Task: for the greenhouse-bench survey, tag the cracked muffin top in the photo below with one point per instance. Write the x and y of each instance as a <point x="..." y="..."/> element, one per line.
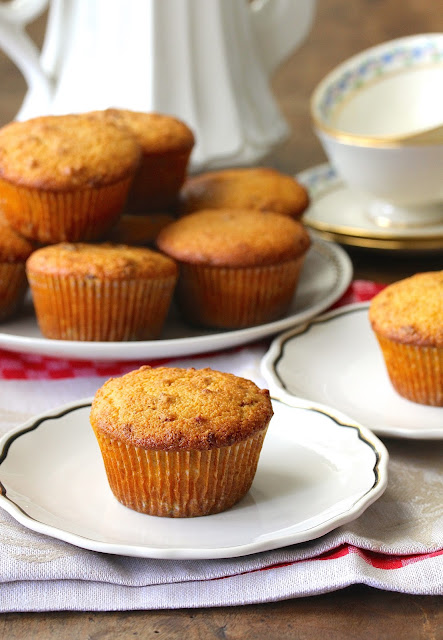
<point x="107" y="260"/>
<point x="155" y="132"/>
<point x="234" y="238"/>
<point x="410" y="311"/>
<point x="180" y="409"/>
<point x="260" y="188"/>
<point x="69" y="152"/>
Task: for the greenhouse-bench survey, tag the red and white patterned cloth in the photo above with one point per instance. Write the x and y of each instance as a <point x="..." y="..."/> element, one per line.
<point x="22" y="366"/>
<point x="396" y="544"/>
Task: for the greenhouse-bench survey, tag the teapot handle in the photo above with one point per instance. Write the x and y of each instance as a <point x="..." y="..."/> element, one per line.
<point x="280" y="27"/>
<point x="15" y="42"/>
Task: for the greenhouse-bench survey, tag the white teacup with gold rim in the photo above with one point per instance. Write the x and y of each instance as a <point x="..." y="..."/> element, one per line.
<point x="363" y="110"/>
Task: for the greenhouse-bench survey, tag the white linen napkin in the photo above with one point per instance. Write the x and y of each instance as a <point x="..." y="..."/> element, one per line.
<point x="397" y="544"/>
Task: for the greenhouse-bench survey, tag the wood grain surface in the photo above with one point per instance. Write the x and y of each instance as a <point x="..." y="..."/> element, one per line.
<point x="341" y="28"/>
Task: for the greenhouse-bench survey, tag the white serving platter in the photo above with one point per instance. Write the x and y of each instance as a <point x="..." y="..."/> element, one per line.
<point x="326" y="274"/>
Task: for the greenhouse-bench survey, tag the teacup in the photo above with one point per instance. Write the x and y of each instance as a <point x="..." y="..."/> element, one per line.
<point x="362" y="111"/>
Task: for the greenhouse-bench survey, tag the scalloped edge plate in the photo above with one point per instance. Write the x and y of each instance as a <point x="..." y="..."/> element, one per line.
<point x="335" y="360"/>
<point x="317" y="471"/>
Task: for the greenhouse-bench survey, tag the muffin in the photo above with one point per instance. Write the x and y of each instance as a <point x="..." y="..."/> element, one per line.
<point x="238" y="268"/>
<point x="14" y="251"/>
<point x="180" y="442"/>
<point x="138" y="230"/>
<point x="407" y="319"/>
<point x="100" y="291"/>
<point x="65" y="178"/>
<point x="250" y="188"/>
<point x="166" y="144"/>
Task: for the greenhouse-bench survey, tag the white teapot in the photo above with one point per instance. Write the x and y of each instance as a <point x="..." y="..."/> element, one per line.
<point x="208" y="62"/>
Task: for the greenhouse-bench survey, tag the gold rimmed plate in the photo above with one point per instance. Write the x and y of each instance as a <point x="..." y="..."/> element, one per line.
<point x="337" y="213"/>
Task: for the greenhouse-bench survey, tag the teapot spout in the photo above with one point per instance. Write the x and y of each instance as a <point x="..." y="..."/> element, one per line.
<point x="280" y="27"/>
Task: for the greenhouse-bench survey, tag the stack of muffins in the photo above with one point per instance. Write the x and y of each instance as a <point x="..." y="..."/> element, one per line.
<point x="64" y="182"/>
<point x="100" y="209"/>
<point x="86" y="197"/>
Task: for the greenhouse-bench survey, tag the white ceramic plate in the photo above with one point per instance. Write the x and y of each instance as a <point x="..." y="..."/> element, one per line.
<point x="335" y="360"/>
<point x="316" y="472"/>
<point x="338" y="213"/>
<point x="326" y="275"/>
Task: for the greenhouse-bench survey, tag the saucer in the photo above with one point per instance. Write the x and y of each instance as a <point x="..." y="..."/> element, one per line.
<point x="340" y="214"/>
<point x="335" y="361"/>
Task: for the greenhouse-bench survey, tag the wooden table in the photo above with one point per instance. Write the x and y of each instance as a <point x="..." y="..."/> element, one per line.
<point x="342" y="28"/>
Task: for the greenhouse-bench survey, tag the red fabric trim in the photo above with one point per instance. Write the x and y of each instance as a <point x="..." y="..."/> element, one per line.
<point x="373" y="558"/>
<point x="378" y="560"/>
<point x="22" y="366"/>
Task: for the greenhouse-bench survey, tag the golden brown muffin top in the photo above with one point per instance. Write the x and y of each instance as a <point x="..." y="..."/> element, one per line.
<point x="234" y="238"/>
<point x="410" y="311"/>
<point x="13" y="247"/>
<point x="172" y="409"/>
<point x="68" y="152"/>
<point x="155" y="132"/>
<point x="119" y="262"/>
<point x="250" y="188"/>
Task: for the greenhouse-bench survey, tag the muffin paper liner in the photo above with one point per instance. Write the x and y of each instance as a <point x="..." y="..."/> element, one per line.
<point x="232" y="298"/>
<point x="72" y="308"/>
<point x="416" y="372"/>
<point x="13" y="286"/>
<point x="157" y="183"/>
<point x="57" y="216"/>
<point x="180" y="484"/>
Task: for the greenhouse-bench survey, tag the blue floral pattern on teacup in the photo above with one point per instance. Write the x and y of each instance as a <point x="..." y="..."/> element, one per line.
<point x="377" y="65"/>
<point x="318" y="179"/>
